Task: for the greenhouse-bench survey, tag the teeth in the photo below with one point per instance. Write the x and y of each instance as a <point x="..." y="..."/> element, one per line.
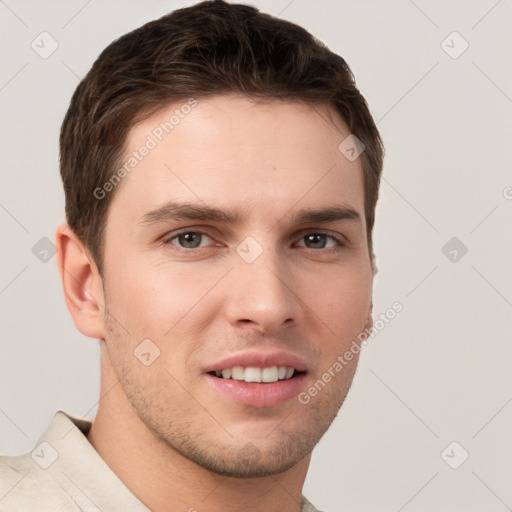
<point x="270" y="374"/>
<point x="252" y="374"/>
<point x="255" y="374"/>
<point x="237" y="373"/>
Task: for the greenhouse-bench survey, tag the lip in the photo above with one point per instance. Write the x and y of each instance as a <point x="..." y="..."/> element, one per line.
<point x="258" y="395"/>
<point x="259" y="359"/>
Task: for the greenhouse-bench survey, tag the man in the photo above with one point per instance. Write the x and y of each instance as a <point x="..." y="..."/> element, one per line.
<point x="221" y="172"/>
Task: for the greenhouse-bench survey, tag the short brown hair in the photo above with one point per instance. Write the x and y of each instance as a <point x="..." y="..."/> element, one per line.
<point x="210" y="48"/>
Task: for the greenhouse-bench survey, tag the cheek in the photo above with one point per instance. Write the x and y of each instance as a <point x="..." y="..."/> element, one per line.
<point x="136" y="297"/>
<point x="343" y="304"/>
<point x="342" y="296"/>
<point x="160" y="301"/>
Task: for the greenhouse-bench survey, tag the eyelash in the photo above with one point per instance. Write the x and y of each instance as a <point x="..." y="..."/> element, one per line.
<point x="167" y="241"/>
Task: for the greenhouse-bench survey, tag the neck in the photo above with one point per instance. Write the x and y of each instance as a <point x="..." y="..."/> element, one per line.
<point x="162" y="479"/>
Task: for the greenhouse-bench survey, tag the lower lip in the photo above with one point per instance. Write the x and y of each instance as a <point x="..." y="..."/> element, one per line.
<point x="259" y="395"/>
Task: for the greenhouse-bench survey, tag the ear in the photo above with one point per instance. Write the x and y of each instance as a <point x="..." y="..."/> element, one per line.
<point x="81" y="283"/>
<point x="368" y="325"/>
<point x="373" y="263"/>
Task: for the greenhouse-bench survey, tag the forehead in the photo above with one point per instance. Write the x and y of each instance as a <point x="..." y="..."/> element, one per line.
<point x="229" y="150"/>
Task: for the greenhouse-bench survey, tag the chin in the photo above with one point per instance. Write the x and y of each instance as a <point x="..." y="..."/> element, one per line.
<point x="249" y="461"/>
<point x="246" y="457"/>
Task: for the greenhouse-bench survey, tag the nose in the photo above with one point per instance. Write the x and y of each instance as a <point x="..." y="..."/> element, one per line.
<point x="263" y="293"/>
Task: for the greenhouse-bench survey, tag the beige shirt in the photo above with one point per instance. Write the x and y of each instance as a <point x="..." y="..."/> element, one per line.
<point x="65" y="473"/>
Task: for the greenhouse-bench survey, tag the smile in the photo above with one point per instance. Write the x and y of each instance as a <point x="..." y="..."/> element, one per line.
<point x="258" y="378"/>
<point x="255" y="374"/>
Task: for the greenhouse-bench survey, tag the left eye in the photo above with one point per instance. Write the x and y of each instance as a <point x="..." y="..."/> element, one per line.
<point x="319" y="240"/>
<point x="188" y="239"/>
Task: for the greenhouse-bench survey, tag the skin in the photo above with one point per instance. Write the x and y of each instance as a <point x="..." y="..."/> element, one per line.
<point x="175" y="441"/>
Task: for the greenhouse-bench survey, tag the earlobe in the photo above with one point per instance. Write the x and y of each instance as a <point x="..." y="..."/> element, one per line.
<point x="81" y="283"/>
<point x="368" y="325"/>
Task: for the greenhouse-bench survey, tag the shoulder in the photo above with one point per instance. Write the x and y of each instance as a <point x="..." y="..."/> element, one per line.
<point x="25" y="486"/>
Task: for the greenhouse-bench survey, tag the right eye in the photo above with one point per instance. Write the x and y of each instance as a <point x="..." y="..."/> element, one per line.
<point x="187" y="239"/>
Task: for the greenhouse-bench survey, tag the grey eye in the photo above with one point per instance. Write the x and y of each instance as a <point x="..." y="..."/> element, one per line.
<point x="188" y="239"/>
<point x="316" y="240"/>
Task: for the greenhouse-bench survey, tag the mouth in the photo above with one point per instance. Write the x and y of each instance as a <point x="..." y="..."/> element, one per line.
<point x="258" y="379"/>
<point x="259" y="375"/>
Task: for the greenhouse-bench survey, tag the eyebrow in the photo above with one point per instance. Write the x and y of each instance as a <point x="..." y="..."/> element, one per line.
<point x="173" y="210"/>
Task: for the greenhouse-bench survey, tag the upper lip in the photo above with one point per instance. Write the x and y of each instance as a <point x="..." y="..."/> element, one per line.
<point x="258" y="359"/>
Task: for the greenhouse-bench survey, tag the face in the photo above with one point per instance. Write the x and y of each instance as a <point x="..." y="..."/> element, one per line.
<point x="236" y="252"/>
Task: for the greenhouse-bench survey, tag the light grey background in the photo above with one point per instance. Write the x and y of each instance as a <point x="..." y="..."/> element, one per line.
<point x="440" y="371"/>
